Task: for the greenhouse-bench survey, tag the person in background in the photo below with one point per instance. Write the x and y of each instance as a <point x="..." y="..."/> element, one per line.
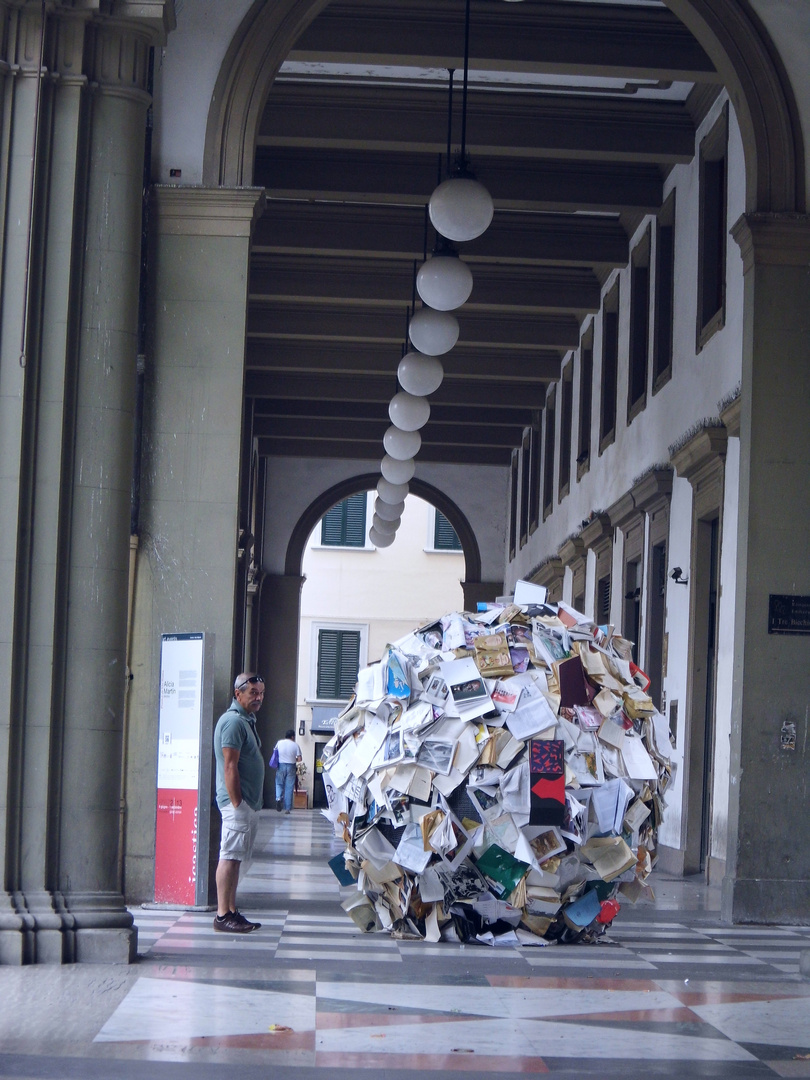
<point x="289" y="753"/>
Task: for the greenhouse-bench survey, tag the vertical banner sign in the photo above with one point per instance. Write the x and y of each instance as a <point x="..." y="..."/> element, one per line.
<point x="184" y="771"/>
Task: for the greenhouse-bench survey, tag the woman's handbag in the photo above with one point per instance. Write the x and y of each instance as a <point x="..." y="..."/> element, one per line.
<point x="273" y="762"/>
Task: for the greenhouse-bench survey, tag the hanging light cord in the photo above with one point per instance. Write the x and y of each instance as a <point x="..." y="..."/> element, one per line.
<point x="464" y="88"/>
<point x="451" y="72"/>
<point x="31" y="197"/>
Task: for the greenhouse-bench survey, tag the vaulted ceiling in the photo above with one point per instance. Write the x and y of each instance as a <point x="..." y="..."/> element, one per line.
<point x="576" y="113"/>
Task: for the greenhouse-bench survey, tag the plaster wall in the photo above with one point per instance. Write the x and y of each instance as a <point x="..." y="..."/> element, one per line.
<point x="294" y="483"/>
<point x="186" y="71"/>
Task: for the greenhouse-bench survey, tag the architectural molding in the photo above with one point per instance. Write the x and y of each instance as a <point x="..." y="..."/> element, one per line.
<point x="731" y="417"/>
<point x="702" y="451"/>
<point x="652" y="489"/>
<point x="572" y="550"/>
<point x="597" y="532"/>
<point x="624" y="513"/>
<point x="548" y="573"/>
<point x="203" y="211"/>
<point x="773" y="239"/>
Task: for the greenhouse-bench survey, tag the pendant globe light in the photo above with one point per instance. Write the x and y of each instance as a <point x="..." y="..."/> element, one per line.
<point x="391" y="493"/>
<point x="461" y="208"/>
<point x="388" y="511"/>
<point x="444" y="282"/>
<point x="433" y="332"/>
<point x="398" y="472"/>
<point x="408" y="412"/>
<point x="420" y="375"/>
<point x="380" y="540"/>
<point x="402" y="445"/>
<point x="383" y="526"/>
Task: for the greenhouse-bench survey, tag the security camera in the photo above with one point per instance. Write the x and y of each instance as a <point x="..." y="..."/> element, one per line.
<point x="677" y="576"/>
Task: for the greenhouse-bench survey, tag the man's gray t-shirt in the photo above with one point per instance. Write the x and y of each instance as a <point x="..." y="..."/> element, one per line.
<point x="237" y="729"/>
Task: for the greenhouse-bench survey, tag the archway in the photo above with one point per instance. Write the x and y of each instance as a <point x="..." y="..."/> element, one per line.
<point x="774" y="191"/>
<point x="729" y="31"/>
<point x="279" y="598"/>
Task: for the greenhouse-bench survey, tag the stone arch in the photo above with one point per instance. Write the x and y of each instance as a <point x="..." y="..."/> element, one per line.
<point x="728" y="30"/>
<point x="368" y="482"/>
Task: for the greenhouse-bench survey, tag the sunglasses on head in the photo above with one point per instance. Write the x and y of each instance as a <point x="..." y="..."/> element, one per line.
<point x="252" y="681"/>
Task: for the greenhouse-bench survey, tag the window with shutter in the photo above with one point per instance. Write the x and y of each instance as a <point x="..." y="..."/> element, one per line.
<point x="338" y="663"/>
<point x="445" y="537"/>
<point x="345" y="524"/>
<point x="603" y="601"/>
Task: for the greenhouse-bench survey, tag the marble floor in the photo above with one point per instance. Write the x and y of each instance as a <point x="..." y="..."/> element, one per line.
<point x="672" y="991"/>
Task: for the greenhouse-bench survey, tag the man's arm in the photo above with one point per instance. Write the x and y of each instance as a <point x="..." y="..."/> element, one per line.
<point x="230" y="756"/>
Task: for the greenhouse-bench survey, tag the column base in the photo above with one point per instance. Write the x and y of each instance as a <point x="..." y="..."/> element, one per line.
<point x="766" y="901"/>
<point x="85" y="928"/>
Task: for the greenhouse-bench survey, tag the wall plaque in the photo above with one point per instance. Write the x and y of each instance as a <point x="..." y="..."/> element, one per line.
<point x="788" y="614"/>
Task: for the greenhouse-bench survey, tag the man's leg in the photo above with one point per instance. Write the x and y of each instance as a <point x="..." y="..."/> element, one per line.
<point x="289" y="785"/>
<point x="227" y="879"/>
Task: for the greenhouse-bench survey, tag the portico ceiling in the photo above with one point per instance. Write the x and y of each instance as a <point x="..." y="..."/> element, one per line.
<point x="576" y="113"/>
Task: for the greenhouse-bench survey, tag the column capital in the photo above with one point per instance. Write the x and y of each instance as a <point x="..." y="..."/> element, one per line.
<point x="156" y="17"/>
<point x="207" y="211"/>
<point x="768" y="239"/>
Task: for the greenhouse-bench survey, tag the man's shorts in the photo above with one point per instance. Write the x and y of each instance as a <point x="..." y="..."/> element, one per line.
<point x="239" y="825"/>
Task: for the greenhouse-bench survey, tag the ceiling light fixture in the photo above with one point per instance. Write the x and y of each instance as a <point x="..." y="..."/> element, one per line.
<point x="408" y="412"/>
<point x="391" y="493"/>
<point x="420" y="375"/>
<point x="433" y="332"/>
<point x="444" y="282"/>
<point x="379" y="539"/>
<point x="461" y="207"/>
<point x="397" y="471"/>
<point x="401" y="445"/>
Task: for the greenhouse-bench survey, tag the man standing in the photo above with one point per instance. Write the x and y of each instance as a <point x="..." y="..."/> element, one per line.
<point x="240" y="780"/>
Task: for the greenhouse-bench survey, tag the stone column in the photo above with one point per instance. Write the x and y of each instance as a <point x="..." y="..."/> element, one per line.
<point x="279" y="619"/>
<point x="768" y="870"/>
<point x="20" y="36"/>
<point x="190" y="483"/>
<point x="95" y="630"/>
<point x="70" y="263"/>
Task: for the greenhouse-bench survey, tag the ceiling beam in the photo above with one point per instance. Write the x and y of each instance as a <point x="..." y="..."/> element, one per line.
<point x="523" y="239"/>
<point x="358" y="430"/>
<point x="589" y="39"/>
<point x="363" y="359"/>
<point x="454" y="455"/>
<point x="351" y="388"/>
<point x="268" y="408"/>
<point x="480" y="329"/>
<point x="356" y="176"/>
<point x="516" y="125"/>
<point x="318" y="279"/>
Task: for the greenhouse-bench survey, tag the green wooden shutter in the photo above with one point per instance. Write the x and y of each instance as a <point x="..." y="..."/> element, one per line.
<point x="345" y="524"/>
<point x="338" y="663"/>
<point x="445" y="537"/>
